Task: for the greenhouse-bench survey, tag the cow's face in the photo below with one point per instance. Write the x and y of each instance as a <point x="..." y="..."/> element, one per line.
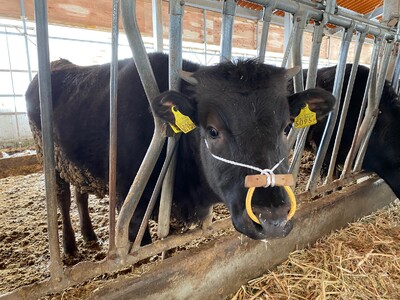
<point x="242" y="111"/>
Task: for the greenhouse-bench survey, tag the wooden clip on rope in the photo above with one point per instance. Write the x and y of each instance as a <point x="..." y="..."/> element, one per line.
<point x="253" y="181"/>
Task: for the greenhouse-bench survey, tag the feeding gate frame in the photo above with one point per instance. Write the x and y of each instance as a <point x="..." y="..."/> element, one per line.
<point x="121" y="253"/>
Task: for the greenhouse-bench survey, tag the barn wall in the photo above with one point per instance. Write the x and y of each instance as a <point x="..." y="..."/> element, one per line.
<point x="97" y="15"/>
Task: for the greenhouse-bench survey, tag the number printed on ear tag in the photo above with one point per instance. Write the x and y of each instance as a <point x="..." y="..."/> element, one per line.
<point x="182" y="122"/>
<point x="305" y="118"/>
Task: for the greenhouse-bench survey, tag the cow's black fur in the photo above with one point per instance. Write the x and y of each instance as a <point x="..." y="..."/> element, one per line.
<point x="240" y="108"/>
<point x="383" y="152"/>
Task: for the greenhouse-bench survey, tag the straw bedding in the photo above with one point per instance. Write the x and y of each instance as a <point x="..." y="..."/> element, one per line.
<point x="361" y="261"/>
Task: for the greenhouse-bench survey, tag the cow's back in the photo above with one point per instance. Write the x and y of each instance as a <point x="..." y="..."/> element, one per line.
<point x="81" y="120"/>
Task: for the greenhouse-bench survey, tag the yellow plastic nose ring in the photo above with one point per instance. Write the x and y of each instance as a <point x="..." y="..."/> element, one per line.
<point x="249" y="198"/>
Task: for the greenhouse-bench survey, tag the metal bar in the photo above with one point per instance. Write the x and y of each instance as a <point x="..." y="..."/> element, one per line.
<point x="288" y="39"/>
<point x="391" y="10"/>
<point x="358" y="136"/>
<point x="300" y="20"/>
<point x="345" y="107"/>
<point x="331" y="121"/>
<point x="375" y="13"/>
<point x="375" y="104"/>
<point x="112" y="179"/>
<point x="267" y="16"/>
<point x="291" y="6"/>
<point x="205" y="35"/>
<point x="12" y="113"/>
<point x="228" y="16"/>
<point x="12" y="85"/>
<point x="153" y="199"/>
<point x="215" y="6"/>
<point x="28" y="59"/>
<point x="295" y="46"/>
<point x="128" y="9"/>
<point x="311" y="81"/>
<point x="11" y="95"/>
<point x="396" y="72"/>
<point x="46" y="108"/>
<point x="156" y="6"/>
<point x="175" y="64"/>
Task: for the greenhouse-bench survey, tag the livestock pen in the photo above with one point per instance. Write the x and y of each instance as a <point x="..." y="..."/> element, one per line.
<point x="219" y="267"/>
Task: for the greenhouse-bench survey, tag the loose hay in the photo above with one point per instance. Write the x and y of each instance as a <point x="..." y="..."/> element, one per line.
<point x="361" y="261"/>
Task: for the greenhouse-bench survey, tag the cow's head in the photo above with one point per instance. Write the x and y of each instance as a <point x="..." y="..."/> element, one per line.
<point x="241" y="110"/>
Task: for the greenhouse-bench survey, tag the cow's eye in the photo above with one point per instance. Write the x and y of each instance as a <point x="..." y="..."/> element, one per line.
<point x="287" y="129"/>
<point x="212" y="132"/>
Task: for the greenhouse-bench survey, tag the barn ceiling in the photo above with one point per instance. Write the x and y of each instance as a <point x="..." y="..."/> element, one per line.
<point x="365" y="7"/>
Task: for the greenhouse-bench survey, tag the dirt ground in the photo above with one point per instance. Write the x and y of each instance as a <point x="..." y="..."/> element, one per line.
<point x="23" y="231"/>
<point x="24" y="254"/>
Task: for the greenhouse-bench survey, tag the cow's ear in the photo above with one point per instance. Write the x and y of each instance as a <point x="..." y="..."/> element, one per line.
<point x="163" y="104"/>
<point x="319" y="101"/>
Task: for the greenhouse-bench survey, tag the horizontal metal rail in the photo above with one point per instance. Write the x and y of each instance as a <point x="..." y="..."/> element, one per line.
<point x="316" y="14"/>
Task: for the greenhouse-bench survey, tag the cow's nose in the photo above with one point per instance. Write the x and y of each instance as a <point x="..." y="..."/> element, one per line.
<point x="276" y="227"/>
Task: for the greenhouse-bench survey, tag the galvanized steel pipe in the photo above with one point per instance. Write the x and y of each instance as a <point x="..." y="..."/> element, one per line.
<point x="112" y="174"/>
<point x="359" y="133"/>
<point x="330" y="124"/>
<point x="267" y="16"/>
<point x="128" y="8"/>
<point x="345" y="107"/>
<point x="175" y="65"/>
<point x="46" y="109"/>
<point x="228" y="16"/>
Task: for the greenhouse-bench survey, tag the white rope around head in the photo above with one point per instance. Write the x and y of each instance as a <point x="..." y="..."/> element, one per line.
<point x="268" y="172"/>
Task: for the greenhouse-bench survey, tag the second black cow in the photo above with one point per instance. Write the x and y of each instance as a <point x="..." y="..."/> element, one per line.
<point x="383" y="152"/>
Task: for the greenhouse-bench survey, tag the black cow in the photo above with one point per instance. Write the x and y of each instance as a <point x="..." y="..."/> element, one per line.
<point x="240" y="108"/>
<point x="383" y="152"/>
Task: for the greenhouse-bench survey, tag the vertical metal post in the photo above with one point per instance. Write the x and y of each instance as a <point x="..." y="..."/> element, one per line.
<point x="359" y="133"/>
<point x="12" y="85"/>
<point x="330" y="124"/>
<point x="396" y="72"/>
<point x="175" y="64"/>
<point x="373" y="109"/>
<point x="300" y="20"/>
<point x="311" y="81"/>
<point x="156" y="6"/>
<point x="128" y="10"/>
<point x="345" y="107"/>
<point x="205" y="35"/>
<point x="28" y="59"/>
<point x="46" y="108"/>
<point x="112" y="179"/>
<point x="267" y="16"/>
<point x="228" y="11"/>
<point x="391" y="11"/>
<point x="289" y="34"/>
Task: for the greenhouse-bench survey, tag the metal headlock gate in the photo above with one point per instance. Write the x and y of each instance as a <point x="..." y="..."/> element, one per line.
<point x="121" y="253"/>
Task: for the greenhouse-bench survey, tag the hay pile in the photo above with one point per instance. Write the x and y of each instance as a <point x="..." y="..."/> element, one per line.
<point x="361" y="261"/>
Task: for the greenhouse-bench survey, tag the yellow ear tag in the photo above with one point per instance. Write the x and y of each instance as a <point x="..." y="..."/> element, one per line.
<point x="182" y="122"/>
<point x="305" y="118"/>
